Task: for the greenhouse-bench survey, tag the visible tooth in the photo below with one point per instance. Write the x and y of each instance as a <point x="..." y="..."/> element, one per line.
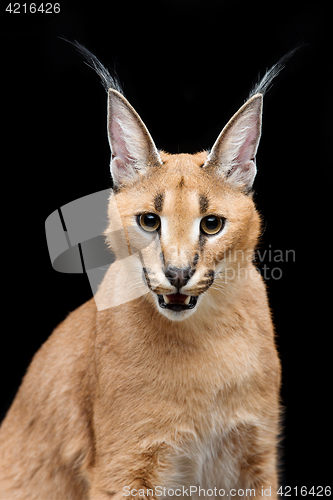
<point x="166" y="300"/>
<point x="187" y="300"/>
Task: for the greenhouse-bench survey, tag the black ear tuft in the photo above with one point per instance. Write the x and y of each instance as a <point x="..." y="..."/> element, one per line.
<point x="265" y="83"/>
<point x="110" y="79"/>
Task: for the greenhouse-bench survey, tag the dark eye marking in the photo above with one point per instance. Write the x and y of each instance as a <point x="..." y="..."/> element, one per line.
<point x="146" y="276"/>
<point x="158" y="202"/>
<point x="202" y="241"/>
<point x="182" y="183"/>
<point x="196" y="258"/>
<point x="203" y="203"/>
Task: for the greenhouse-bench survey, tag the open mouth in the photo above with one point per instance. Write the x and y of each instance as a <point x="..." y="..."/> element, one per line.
<point x="177" y="302"/>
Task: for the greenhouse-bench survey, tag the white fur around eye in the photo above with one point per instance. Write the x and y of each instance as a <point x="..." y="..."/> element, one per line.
<point x="164" y="227"/>
<point x="195" y="230"/>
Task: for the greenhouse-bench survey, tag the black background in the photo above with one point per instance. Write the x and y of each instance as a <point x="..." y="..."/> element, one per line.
<point x="186" y="67"/>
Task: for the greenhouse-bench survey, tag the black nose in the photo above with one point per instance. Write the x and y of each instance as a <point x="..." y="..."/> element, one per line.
<point x="178" y="277"/>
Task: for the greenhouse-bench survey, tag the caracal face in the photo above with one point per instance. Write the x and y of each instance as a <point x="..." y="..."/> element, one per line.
<point x="192" y="229"/>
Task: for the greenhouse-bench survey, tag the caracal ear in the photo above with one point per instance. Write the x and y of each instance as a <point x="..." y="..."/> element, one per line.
<point x="234" y="151"/>
<point x="132" y="148"/>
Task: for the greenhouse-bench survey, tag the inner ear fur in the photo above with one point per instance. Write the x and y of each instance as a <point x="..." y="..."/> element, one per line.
<point x="234" y="151"/>
<point x="132" y="148"/>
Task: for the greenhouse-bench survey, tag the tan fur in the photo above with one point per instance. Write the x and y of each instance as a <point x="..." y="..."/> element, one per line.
<point x="128" y="397"/>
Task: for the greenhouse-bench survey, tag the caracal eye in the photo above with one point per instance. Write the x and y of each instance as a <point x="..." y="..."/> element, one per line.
<point x="211" y="224"/>
<point x="149" y="222"/>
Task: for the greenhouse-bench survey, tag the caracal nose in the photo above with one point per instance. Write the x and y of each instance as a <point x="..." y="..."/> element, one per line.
<point x="178" y="277"/>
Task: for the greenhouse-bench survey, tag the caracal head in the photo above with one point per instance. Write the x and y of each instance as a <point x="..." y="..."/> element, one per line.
<point x="190" y="219"/>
